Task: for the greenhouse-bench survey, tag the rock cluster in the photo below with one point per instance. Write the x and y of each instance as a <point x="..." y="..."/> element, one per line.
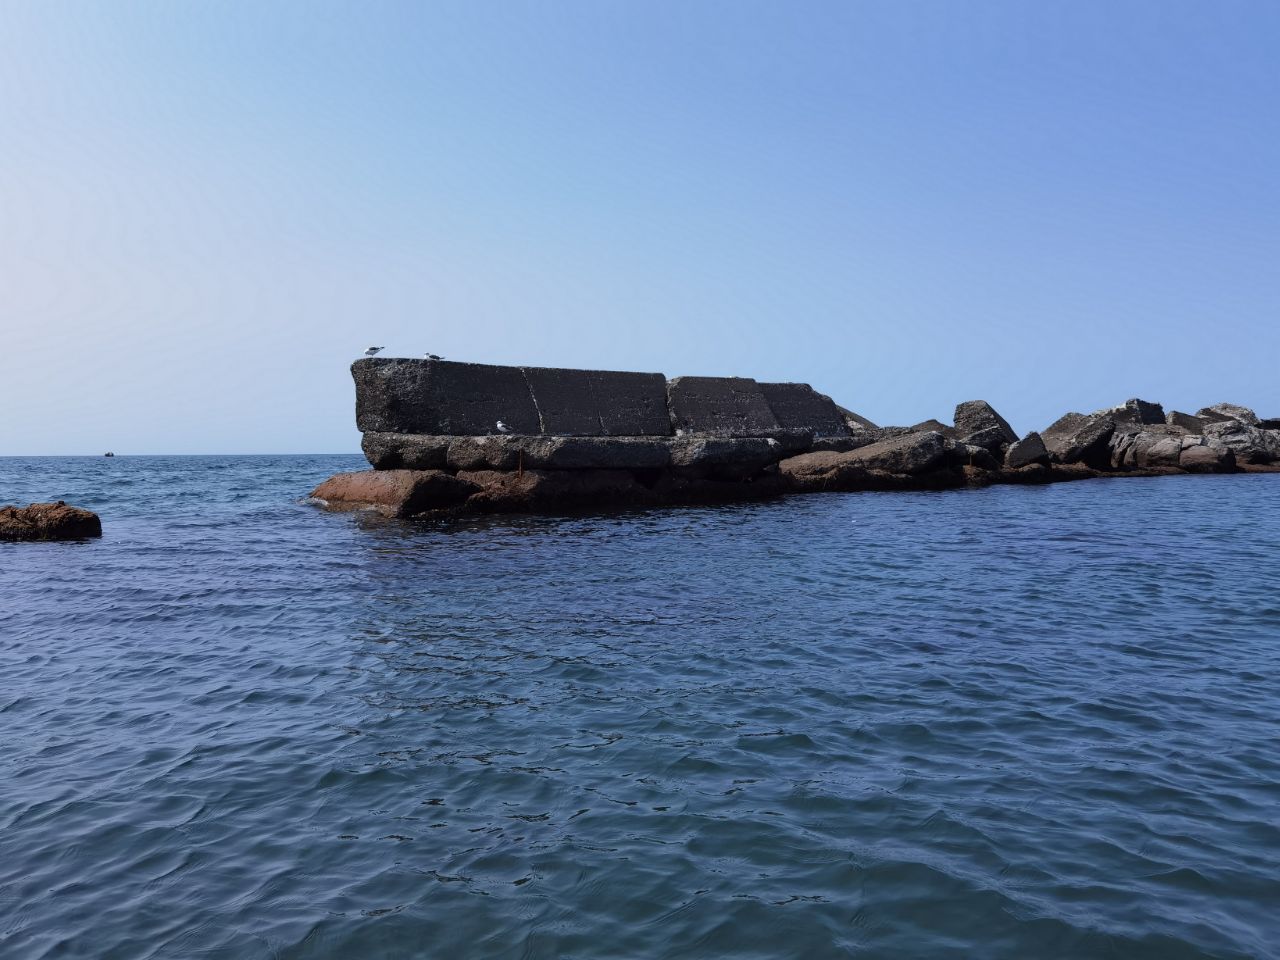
<point x="48" y="521"/>
<point x="585" y="438"/>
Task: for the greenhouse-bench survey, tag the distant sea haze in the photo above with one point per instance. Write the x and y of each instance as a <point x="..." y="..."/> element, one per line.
<point x="1008" y="722"/>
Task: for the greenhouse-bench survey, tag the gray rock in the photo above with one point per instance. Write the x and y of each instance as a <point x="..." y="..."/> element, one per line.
<point x="405" y="451"/>
<point x="441" y="397"/>
<point x="961" y="454"/>
<point x="1077" y="438"/>
<point x="1135" y="411"/>
<point x="842" y="444"/>
<point x="856" y="423"/>
<point x="911" y="454"/>
<point x="719" y="407"/>
<point x="1220" y="412"/>
<point x="797" y="406"/>
<point x="1145" y="451"/>
<point x="1249" y="444"/>
<point x="559" y="453"/>
<point x="1207" y="458"/>
<point x="1185" y="420"/>
<point x="599" y="402"/>
<point x="1030" y="449"/>
<point x="978" y="423"/>
<point x="1271" y="423"/>
<point x="745" y="454"/>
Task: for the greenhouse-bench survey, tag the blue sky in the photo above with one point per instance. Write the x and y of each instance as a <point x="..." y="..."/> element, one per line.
<point x="209" y="209"/>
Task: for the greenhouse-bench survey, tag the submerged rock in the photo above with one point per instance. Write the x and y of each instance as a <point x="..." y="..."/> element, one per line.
<point x="48" y="521"/>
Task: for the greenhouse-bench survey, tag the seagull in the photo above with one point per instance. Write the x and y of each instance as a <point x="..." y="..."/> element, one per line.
<point x="373" y="351"/>
<point x="503" y="428"/>
<point x="432" y="356"/>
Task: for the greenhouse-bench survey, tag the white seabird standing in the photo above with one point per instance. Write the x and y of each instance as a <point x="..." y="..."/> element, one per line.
<point x="503" y="428"/>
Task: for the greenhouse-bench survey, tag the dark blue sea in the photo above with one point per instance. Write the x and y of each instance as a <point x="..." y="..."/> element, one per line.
<point x="1021" y="722"/>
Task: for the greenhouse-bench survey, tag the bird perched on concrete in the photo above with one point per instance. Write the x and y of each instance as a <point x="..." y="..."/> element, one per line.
<point x="432" y="356"/>
<point x="373" y="351"/>
<point x="503" y="428"/>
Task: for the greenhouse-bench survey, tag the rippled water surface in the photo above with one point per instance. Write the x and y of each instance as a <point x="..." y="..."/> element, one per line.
<point x="1015" y="722"/>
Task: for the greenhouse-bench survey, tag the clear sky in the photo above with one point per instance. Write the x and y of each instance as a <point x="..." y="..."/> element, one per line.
<point x="207" y="210"/>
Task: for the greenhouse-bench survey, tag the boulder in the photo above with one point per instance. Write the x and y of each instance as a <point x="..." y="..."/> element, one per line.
<point x="1077" y="438"/>
<point x="822" y="470"/>
<point x="1249" y="444"/>
<point x="1220" y="412"/>
<point x="960" y="454"/>
<point x="48" y="521"/>
<point x="719" y="407"/>
<point x="797" y="406"/>
<point x="1271" y="423"/>
<point x="1205" y="458"/>
<point x="914" y="453"/>
<point x="398" y="493"/>
<point x="1135" y="411"/>
<point x="599" y="403"/>
<point x="435" y="397"/>
<point x="978" y="423"/>
<point x="1145" y="451"/>
<point x="393" y="493"/>
<point x="1185" y="420"/>
<point x="1030" y="449"/>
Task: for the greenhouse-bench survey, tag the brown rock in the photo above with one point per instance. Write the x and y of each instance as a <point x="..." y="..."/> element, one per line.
<point x="393" y="493"/>
<point x="552" y="490"/>
<point x="48" y="521"/>
<point x="1185" y="420"/>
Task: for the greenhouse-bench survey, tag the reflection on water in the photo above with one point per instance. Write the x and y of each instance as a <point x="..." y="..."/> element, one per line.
<point x="1002" y="723"/>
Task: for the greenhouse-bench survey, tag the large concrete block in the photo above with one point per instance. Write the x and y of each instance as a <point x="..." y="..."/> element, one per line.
<point x="600" y="403"/>
<point x="720" y="407"/>
<point x="799" y="406"/>
<point x="439" y="397"/>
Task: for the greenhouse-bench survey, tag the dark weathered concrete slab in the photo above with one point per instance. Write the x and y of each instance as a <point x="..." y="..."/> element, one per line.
<point x="599" y="403"/>
<point x="438" y="397"/>
<point x="798" y="406"/>
<point x="720" y="407"/>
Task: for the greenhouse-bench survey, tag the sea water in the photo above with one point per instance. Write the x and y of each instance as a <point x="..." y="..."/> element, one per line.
<point x="1014" y="722"/>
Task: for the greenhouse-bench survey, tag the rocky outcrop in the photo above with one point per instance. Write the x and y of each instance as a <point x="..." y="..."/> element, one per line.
<point x="48" y="521"/>
<point x="977" y="423"/>
<point x="446" y="437"/>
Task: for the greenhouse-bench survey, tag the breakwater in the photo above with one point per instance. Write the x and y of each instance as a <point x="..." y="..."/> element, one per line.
<point x="443" y="436"/>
